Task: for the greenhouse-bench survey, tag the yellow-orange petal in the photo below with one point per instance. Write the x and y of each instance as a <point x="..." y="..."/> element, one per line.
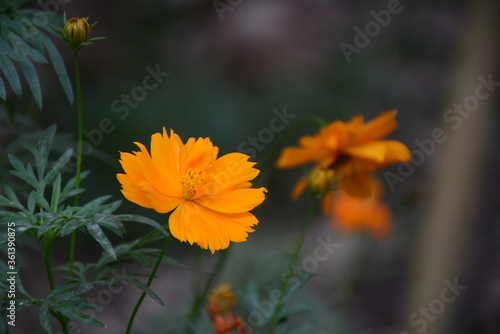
<point x="229" y="171"/>
<point x="299" y="189"/>
<point x="160" y="202"/>
<point x="357" y="184"/>
<point x="164" y="155"/>
<point x="396" y="152"/>
<point x="239" y="200"/>
<point x="133" y="192"/>
<point x="213" y="230"/>
<point x="352" y="215"/>
<point x="375" y="151"/>
<point x="200" y="154"/>
<point x="295" y="156"/>
<point x="377" y="128"/>
<point x="130" y="165"/>
<point x="153" y="175"/>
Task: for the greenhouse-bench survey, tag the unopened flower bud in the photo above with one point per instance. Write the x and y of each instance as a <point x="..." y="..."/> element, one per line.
<point x="76" y="31"/>
<point x="320" y="180"/>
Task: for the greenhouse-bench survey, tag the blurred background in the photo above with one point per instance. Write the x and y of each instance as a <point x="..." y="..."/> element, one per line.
<point x="232" y="66"/>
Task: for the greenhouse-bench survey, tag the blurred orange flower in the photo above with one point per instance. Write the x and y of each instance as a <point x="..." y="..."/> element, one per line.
<point x="351" y="215"/>
<point x="354" y="150"/>
<point x="221" y="311"/>
<point x="211" y="196"/>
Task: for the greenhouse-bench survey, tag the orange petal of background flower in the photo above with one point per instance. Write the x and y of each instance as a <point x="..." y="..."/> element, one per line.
<point x="377" y="128"/>
<point x="299" y="189"/>
<point x="375" y="151"/>
<point x="356" y="184"/>
<point x="295" y="156"/>
<point x="396" y="152"/>
<point x="351" y="215"/>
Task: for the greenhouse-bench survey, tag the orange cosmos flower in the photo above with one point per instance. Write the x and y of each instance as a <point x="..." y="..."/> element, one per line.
<point x="221" y="311"/>
<point x="211" y="196"/>
<point x="351" y="215"/>
<point x="354" y="150"/>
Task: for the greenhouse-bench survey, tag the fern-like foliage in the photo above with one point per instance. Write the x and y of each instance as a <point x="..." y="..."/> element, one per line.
<point x="24" y="41"/>
<point x="45" y="214"/>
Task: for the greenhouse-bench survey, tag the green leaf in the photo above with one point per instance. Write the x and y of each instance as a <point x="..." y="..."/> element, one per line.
<point x="45" y="317"/>
<point x="56" y="191"/>
<point x="31" y="202"/>
<point x="57" y="166"/>
<point x="145" y="289"/>
<point x="72" y="225"/>
<point x="293" y="309"/>
<point x="110" y="222"/>
<point x="14" y="202"/>
<point x="24" y="49"/>
<point x="92" y="207"/>
<point x="8" y="51"/>
<point x="62" y="288"/>
<point x="84" y="288"/>
<point x="59" y="68"/>
<point x="4" y="201"/>
<point x="22" y="172"/>
<point x="73" y="313"/>
<point x="69" y="191"/>
<point x="11" y="75"/>
<point x="24" y="303"/>
<point x="42" y="201"/>
<point x="97" y="233"/>
<point x="143" y="220"/>
<point x="33" y="82"/>
<point x="3" y="93"/>
<point x="172" y="262"/>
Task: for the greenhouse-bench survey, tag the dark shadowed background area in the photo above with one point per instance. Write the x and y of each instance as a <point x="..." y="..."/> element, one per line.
<point x="232" y="70"/>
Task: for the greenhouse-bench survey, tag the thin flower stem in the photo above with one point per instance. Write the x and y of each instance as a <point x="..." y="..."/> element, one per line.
<point x="78" y="159"/>
<point x="47" y="245"/>
<point x="298" y="246"/>
<point x="151" y="277"/>
<point x="200" y="298"/>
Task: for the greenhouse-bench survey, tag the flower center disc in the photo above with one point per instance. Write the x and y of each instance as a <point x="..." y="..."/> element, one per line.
<point x="190" y="181"/>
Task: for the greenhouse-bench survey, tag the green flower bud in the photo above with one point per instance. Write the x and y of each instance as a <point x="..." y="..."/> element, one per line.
<point x="76" y="32"/>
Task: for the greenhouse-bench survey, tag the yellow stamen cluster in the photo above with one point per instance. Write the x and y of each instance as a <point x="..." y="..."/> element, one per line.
<point x="191" y="181"/>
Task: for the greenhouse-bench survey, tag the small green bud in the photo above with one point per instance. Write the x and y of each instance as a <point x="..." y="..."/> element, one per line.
<point x="76" y="32"/>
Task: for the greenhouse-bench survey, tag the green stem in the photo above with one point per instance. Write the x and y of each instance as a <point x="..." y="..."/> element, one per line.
<point x="200" y="298"/>
<point x="47" y="245"/>
<point x="151" y="277"/>
<point x="298" y="246"/>
<point x="78" y="159"/>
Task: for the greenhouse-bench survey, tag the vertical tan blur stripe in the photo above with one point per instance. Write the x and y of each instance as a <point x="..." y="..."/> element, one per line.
<point x="451" y="212"/>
